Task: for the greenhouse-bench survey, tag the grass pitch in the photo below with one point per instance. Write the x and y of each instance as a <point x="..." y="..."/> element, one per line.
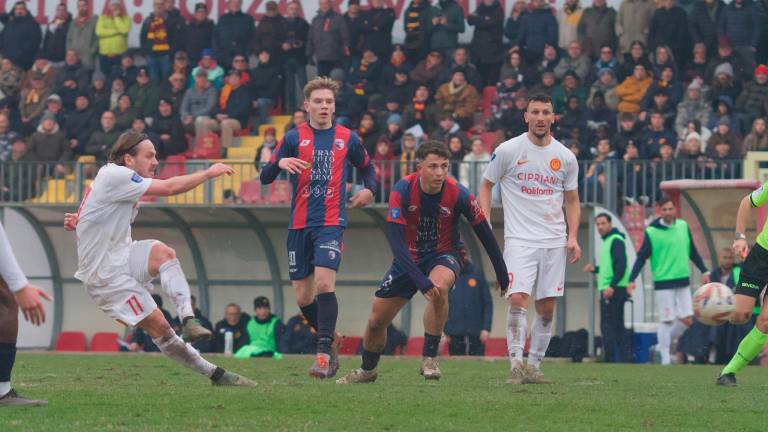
<point x="150" y="393"/>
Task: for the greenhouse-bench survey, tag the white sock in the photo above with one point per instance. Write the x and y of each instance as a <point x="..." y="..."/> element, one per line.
<point x="516" y="324"/>
<point x="5" y="387"/>
<point x="176" y="287"/>
<point x="678" y="328"/>
<point x="541" y="333"/>
<point x="664" y="333"/>
<point x="175" y="348"/>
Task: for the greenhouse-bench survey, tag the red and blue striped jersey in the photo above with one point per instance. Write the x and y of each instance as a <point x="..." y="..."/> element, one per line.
<point x="319" y="192"/>
<point x="432" y="221"/>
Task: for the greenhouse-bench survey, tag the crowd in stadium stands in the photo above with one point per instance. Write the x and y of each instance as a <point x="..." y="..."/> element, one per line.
<point x="653" y="80"/>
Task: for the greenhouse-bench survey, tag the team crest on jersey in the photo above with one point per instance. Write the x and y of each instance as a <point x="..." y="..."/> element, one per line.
<point x="305" y="143"/>
<point x="394" y="213"/>
<point x="136" y="178"/>
<point x="339" y="143"/>
<point x="555" y="164"/>
<point x="412" y="208"/>
<point x="331" y="255"/>
<point x="445" y="211"/>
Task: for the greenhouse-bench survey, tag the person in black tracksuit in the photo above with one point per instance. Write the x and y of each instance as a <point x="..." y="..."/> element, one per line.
<point x="470" y="314"/>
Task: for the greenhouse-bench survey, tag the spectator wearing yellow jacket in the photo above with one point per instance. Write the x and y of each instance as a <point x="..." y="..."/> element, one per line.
<point x="112" y="30"/>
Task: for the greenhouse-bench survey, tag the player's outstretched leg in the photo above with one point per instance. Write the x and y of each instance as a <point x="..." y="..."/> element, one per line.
<point x="517" y="322"/>
<point x="175" y="348"/>
<point x="383" y="311"/>
<point x="163" y="261"/>
<point x="9" y="326"/>
<point x="749" y="348"/>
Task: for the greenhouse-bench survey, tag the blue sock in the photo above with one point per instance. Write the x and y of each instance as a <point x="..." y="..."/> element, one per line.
<point x="327" y="313"/>
<point x="310" y="313"/>
<point x="7" y="357"/>
<point x="431" y="343"/>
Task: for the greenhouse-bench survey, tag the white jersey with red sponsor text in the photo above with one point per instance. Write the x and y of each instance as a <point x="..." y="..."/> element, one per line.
<point x="532" y="181"/>
<point x="104" y="223"/>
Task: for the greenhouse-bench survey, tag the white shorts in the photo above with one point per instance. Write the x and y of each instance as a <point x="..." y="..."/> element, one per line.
<point x="542" y="268"/>
<point x="674" y="303"/>
<point x="127" y="296"/>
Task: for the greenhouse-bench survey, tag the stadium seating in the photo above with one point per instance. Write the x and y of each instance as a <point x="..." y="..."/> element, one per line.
<point x="104" y="342"/>
<point x="279" y="192"/>
<point x="250" y="192"/>
<point x="71" y="341"/>
<point x="496" y="347"/>
<point x="414" y="346"/>
<point x="489" y="93"/>
<point x="251" y="141"/>
<point x="207" y="146"/>
<point x="55" y="191"/>
<point x="241" y="153"/>
<point x="350" y="345"/>
<point x="278" y="131"/>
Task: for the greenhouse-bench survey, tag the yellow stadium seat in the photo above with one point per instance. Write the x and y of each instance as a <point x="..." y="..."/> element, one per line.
<point x="241" y="153"/>
<point x="54" y="192"/>
<point x="280" y="120"/>
<point x="243" y="172"/>
<point x="86" y="159"/>
<point x="251" y="141"/>
<point x="195" y="196"/>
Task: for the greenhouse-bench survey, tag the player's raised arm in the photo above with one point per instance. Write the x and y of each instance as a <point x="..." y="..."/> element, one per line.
<point x="181" y="184"/>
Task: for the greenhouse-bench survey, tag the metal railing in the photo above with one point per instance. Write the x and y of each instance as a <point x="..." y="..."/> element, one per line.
<point x="607" y="183"/>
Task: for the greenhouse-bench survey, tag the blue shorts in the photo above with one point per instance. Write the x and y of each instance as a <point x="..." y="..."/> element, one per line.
<point x="314" y="247"/>
<point x="397" y="283"/>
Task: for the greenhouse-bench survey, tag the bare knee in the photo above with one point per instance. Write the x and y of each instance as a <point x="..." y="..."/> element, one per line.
<point x="762" y="323"/>
<point x="518" y="300"/>
<point x="323" y="286"/>
<point x="376" y="323"/>
<point x="156" y="325"/>
<point x="305" y="295"/>
<point x="162" y="252"/>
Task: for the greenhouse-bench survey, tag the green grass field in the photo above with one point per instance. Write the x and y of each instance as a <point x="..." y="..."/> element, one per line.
<point x="149" y="393"/>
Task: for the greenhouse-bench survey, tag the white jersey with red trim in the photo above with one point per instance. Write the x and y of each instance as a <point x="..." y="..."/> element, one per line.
<point x="532" y="181"/>
<point x="104" y="223"/>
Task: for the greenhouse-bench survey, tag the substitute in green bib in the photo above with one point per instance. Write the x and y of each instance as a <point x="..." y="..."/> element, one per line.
<point x="752" y="281"/>
<point x="264" y="332"/>
<point x="669" y="244"/>
<point x="612" y="278"/>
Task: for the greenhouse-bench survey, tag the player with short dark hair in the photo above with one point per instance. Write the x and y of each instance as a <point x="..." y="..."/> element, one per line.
<point x="423" y="232"/>
<point x="318" y="155"/>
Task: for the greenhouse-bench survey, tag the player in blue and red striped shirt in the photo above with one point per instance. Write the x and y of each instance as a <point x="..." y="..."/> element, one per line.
<point x="424" y="212"/>
<point x="318" y="155"/>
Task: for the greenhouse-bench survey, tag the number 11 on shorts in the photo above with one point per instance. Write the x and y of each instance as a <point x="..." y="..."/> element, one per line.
<point x="133" y="302"/>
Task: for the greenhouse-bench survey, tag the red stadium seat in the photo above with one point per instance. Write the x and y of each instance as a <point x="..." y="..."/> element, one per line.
<point x="279" y="192"/>
<point x="350" y="345"/>
<point x="104" y="342"/>
<point x="250" y="192"/>
<point x="488" y="139"/>
<point x="207" y="146"/>
<point x="414" y="346"/>
<point x="496" y="347"/>
<point x="489" y="93"/>
<point x="71" y="341"/>
<point x="174" y="166"/>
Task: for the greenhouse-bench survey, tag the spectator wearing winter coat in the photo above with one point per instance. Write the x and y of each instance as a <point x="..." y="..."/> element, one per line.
<point x="514" y="66"/>
<point x="669" y="26"/>
<point x="757" y="139"/>
<point x="697" y="67"/>
<point x="198" y="104"/>
<point x="704" y="20"/>
<point x="469" y="322"/>
<point x="459" y="98"/>
<point x="234" y="106"/>
<point x="487" y="46"/>
<point x="461" y="60"/>
<point x="753" y="100"/>
<point x="55" y="38"/>
<point x="512" y="25"/>
<point x="724" y="134"/>
<point x="605" y="84"/>
<point x="376" y="28"/>
<point x="447" y="25"/>
<point x="33" y="100"/>
<point x="233" y="33"/>
<point x="49" y="143"/>
<point x="168" y="126"/>
<point x="724" y="84"/>
<point x="265" y="85"/>
<point x="81" y="35"/>
<point x="157" y="36"/>
<point x="354" y="20"/>
<point x="637" y="55"/>
<point x="538" y="28"/>
<point x="741" y="22"/>
<point x="294" y="54"/>
<point x="632" y="90"/>
<point x="81" y="122"/>
<point x="21" y="36"/>
<point x="726" y="54"/>
<point x="693" y="107"/>
<point x="575" y="61"/>
<point x="597" y="28"/>
<point x="428" y="71"/>
<point x="145" y="94"/>
<point x="633" y="22"/>
<point x="197" y="34"/>
<point x="7" y="138"/>
<point x="101" y="141"/>
<point x="235" y="322"/>
<point x="570" y="86"/>
<point x="420" y="111"/>
<point x="269" y="32"/>
<point x="328" y="41"/>
<point x="417" y="23"/>
<point x="125" y="113"/>
<point x="299" y="337"/>
<point x="112" y="29"/>
<point x="568" y="19"/>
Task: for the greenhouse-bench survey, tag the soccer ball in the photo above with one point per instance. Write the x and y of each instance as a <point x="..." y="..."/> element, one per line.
<point x="713" y="303"/>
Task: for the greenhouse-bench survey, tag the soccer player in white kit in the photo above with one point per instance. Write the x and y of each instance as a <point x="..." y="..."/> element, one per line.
<point x="118" y="272"/>
<point x="537" y="174"/>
